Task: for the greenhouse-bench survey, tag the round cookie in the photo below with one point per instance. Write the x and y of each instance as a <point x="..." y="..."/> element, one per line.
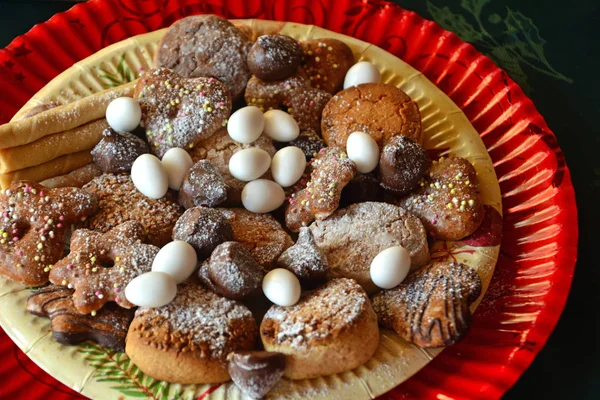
<point x="187" y="341"/>
<point x="353" y="236"/>
<point x="119" y="201"/>
<point x="260" y="233"/>
<point x="379" y="109"/>
<point x="326" y="62"/>
<point x="274" y="57"/>
<point x="330" y="330"/>
<point x="206" y="45"/>
<point x="402" y="164"/>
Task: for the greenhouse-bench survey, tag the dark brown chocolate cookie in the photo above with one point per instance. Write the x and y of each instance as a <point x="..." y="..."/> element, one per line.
<point x="203" y="185"/>
<point x="233" y="272"/>
<point x="204" y="229"/>
<point x="256" y="372"/>
<point x="206" y="45"/>
<point x="305" y="259"/>
<point x="402" y="164"/>
<point x="326" y="62"/>
<point x="117" y="151"/>
<point x="309" y="142"/>
<point x="362" y="188"/>
<point x="274" y="57"/>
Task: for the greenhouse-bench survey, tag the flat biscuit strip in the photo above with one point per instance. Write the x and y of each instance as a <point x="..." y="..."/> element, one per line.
<point x="75" y="178"/>
<point x="58" y="166"/>
<point x="61" y="118"/>
<point x="48" y="148"/>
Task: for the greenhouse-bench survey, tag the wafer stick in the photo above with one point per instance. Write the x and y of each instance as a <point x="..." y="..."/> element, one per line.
<point x="75" y="178"/>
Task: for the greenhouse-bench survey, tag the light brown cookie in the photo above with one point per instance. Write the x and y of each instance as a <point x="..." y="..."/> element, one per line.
<point x="326" y="62"/>
<point x="188" y="340"/>
<point x="330" y="330"/>
<point x="447" y="201"/>
<point x="379" y="109"/>
<point x="353" y="236"/>
<point x="431" y="307"/>
<point x="119" y="201"/>
<point x="178" y="112"/>
<point x="206" y="45"/>
<point x="260" y="233"/>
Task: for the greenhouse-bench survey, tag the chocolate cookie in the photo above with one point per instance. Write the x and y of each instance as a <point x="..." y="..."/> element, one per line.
<point x="274" y="57"/>
<point x="402" y="164"/>
<point x="204" y="229"/>
<point x="117" y="151"/>
<point x="326" y="62"/>
<point x="362" y="188"/>
<point x="256" y="372"/>
<point x="203" y="185"/>
<point x="379" y="109"/>
<point x="309" y="142"/>
<point x="305" y="259"/>
<point x="206" y="45"/>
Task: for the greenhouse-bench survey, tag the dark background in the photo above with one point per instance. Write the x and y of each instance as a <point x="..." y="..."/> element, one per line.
<point x="568" y="366"/>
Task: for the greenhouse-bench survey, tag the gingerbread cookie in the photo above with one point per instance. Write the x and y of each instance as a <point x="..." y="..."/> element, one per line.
<point x="431" y="307"/>
<point x="178" y="112"/>
<point x="120" y="201"/>
<point x="274" y="57"/>
<point x="108" y="327"/>
<point x="331" y="171"/>
<point x="260" y="233"/>
<point x="204" y="229"/>
<point x="188" y="340"/>
<point x="33" y="226"/>
<point x="330" y="330"/>
<point x="203" y="185"/>
<point x="402" y="164"/>
<point x="294" y="93"/>
<point x="305" y="259"/>
<point x="447" y="201"/>
<point x="100" y="266"/>
<point x="379" y="109"/>
<point x="353" y="236"/>
<point x="117" y="151"/>
<point x="326" y="62"/>
<point x="256" y="372"/>
<point x="206" y="45"/>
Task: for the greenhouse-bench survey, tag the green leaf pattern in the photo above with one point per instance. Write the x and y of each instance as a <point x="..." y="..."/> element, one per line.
<point x="121" y="75"/>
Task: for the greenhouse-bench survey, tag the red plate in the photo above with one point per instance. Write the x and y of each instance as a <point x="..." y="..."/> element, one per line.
<point x="539" y="248"/>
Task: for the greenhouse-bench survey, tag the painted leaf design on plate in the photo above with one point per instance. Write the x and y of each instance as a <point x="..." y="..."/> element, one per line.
<point x="454" y="22"/>
<point x="120" y="76"/>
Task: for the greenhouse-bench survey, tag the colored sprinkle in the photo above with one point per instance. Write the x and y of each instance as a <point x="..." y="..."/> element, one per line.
<point x="40" y="246"/>
<point x="93" y="313"/>
<point x="64" y="282"/>
<point x="95" y="269"/>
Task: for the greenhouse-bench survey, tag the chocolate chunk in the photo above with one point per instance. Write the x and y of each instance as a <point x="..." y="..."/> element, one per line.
<point x="402" y="163"/>
<point x="362" y="188"/>
<point x="117" y="151"/>
<point x="233" y="271"/>
<point x="203" y="185"/>
<point x="309" y="142"/>
<point x="256" y="372"/>
<point x="305" y="259"/>
<point x="204" y="229"/>
<point x="274" y="57"/>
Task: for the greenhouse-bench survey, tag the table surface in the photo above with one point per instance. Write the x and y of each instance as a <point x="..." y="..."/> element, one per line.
<point x="566" y="90"/>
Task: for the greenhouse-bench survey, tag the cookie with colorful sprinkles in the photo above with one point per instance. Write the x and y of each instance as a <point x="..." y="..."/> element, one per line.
<point x="326" y="62"/>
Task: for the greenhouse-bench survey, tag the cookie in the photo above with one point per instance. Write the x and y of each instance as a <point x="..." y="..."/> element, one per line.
<point x="379" y="109"/>
<point x="362" y="188"/>
<point x="108" y="327"/>
<point x="232" y="272"/>
<point x="204" y="229"/>
<point x="292" y="94"/>
<point x="206" y="45"/>
<point x="117" y="151"/>
<point x="100" y="266"/>
<point x="305" y="259"/>
<point x="447" y="201"/>
<point x="431" y="307"/>
<point x="33" y="226"/>
<point x="326" y="62"/>
<point x="331" y="170"/>
<point x="260" y="233"/>
<point x="256" y="372"/>
<point x="188" y="340"/>
<point x="120" y="201"/>
<point x="353" y="236"/>
<point x="178" y="112"/>
<point x="402" y="164"/>
<point x="274" y="57"/>
<point x="218" y="150"/>
<point x="202" y="185"/>
<point x="330" y="330"/>
<point x="309" y="142"/>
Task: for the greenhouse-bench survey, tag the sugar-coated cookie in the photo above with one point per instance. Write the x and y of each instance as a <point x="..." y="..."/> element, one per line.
<point x="274" y="57"/>
<point x="326" y="62"/>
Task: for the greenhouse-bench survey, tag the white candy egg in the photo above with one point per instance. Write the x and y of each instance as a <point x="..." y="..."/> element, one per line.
<point x="362" y="72"/>
<point x="363" y="150"/>
<point x="281" y="126"/>
<point x="177" y="162"/>
<point x="246" y="124"/>
<point x="150" y="176"/>
<point x="390" y="267"/>
<point x="281" y="287"/>
<point x="249" y="164"/>
<point x="177" y="259"/>
<point x="152" y="289"/>
<point x="262" y="196"/>
<point x="288" y="165"/>
<point x="123" y="114"/>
